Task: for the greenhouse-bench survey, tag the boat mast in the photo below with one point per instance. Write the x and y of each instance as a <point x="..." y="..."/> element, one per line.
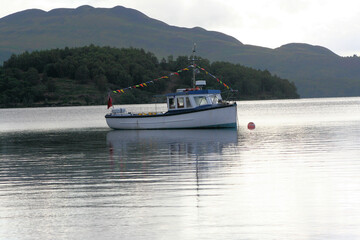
<point x="194" y="65"/>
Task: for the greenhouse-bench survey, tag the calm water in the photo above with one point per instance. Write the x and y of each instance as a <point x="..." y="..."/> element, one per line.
<point x="65" y="175"/>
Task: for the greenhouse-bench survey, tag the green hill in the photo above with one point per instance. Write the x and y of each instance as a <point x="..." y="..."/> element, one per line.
<point x="85" y="76"/>
<point x="316" y="71"/>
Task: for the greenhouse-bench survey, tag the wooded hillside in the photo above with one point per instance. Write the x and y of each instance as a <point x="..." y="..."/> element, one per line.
<point x="85" y="76"/>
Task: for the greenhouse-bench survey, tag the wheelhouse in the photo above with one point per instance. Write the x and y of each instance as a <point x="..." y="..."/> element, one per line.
<point x="190" y="99"/>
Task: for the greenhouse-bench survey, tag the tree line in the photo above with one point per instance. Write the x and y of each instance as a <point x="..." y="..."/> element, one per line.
<point x="85" y="76"/>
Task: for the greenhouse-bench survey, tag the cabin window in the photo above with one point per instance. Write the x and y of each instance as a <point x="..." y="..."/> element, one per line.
<point x="180" y="102"/>
<point x="171" y="103"/>
<point x="188" y="103"/>
<point x="200" y="101"/>
<point x="214" y="99"/>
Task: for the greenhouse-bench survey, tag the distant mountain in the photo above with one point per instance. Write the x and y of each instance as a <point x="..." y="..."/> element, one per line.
<point x="116" y="27"/>
<point x="316" y="71"/>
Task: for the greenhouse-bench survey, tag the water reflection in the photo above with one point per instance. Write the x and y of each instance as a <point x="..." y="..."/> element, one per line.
<point x="88" y="155"/>
<point x="30" y="157"/>
<point x="183" y="142"/>
<point x="156" y="151"/>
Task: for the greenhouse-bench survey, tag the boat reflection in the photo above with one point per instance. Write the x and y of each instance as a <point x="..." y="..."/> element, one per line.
<point x="176" y="141"/>
<point x="153" y="149"/>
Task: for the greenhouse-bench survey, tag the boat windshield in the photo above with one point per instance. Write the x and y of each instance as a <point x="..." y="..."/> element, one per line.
<point x="180" y="102"/>
<point x="215" y="99"/>
<point x="201" y="100"/>
<point x="171" y="103"/>
<point x="188" y="103"/>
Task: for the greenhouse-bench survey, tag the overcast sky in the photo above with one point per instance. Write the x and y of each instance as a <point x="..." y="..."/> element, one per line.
<point x="267" y="23"/>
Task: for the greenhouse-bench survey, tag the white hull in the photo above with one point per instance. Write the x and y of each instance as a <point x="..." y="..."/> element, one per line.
<point x="206" y="118"/>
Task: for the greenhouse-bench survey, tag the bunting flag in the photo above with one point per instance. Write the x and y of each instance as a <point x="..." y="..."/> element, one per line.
<point x="217" y="79"/>
<point x="145" y="84"/>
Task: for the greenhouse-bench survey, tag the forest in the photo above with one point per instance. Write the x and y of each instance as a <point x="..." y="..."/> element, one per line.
<point x="87" y="75"/>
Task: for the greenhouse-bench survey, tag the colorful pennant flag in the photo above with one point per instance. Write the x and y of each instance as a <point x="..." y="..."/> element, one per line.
<point x="145" y="84"/>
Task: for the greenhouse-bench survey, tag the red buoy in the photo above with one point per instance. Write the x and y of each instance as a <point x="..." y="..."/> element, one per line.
<point x="251" y="125"/>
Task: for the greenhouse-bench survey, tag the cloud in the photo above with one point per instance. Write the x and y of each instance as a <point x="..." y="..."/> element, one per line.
<point x="294" y="6"/>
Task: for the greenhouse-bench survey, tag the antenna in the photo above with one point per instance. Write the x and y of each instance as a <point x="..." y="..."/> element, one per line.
<point x="194" y="64"/>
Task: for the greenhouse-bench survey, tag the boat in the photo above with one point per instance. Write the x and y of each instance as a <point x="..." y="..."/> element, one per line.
<point x="186" y="108"/>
